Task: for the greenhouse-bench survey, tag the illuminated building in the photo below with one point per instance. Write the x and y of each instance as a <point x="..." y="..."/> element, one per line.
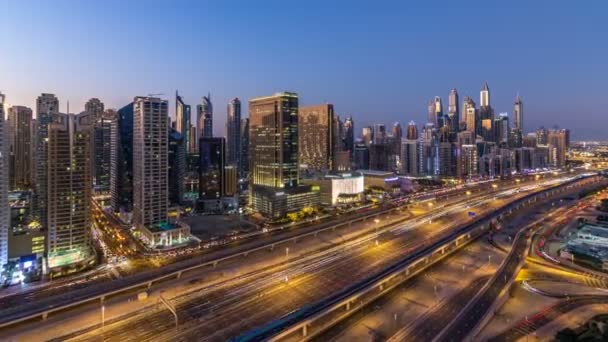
<point x="316" y="137"/>
<point x="183" y="116"/>
<point x="469" y="111"/>
<point x="469" y="167"/>
<point x="150" y="160"/>
<point x="212" y="162"/>
<point x="233" y="135"/>
<point x="273" y="150"/>
<point x="69" y="190"/>
<point x="121" y="159"/>
<point x="453" y="111"/>
<point x="204" y="115"/>
<point x="47" y="105"/>
<point x="339" y="188"/>
<point x="4" y="180"/>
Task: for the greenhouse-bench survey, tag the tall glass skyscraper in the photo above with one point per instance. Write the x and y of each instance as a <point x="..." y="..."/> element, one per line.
<point x="233" y="135"/>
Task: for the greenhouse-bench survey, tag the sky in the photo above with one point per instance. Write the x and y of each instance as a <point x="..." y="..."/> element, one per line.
<point x="379" y="61"/>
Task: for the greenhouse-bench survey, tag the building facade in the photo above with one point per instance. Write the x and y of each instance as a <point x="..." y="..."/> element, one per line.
<point x="233" y="135"/>
<point x="150" y="160"/>
<point x="19" y="122"/>
<point x="317" y="142"/>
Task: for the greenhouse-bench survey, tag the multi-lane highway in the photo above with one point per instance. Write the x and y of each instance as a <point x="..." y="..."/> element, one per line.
<point x="266" y="297"/>
<point x="81" y="288"/>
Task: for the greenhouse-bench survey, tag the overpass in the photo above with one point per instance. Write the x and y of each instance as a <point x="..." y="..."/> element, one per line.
<point x="310" y="320"/>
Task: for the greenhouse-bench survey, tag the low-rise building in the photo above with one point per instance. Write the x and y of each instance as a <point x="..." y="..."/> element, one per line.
<point x="340" y="188"/>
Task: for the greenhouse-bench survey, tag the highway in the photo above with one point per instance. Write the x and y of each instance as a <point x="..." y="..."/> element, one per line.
<point x="76" y="290"/>
<point x="275" y="294"/>
<point x="420" y="324"/>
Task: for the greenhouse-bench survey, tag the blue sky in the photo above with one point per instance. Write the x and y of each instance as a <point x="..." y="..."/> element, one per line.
<point x="379" y="61"/>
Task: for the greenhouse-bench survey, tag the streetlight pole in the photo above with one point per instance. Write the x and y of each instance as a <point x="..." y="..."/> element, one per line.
<point x="286" y="252"/>
<point x="103" y="316"/>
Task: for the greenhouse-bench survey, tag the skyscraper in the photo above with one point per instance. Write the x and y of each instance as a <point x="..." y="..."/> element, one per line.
<point x="349" y="135"/>
<point x="273" y="140"/>
<point x="176" y="166"/>
<point x="47" y="106"/>
<point x="436" y="112"/>
<point x="379" y="134"/>
<point x="484" y="96"/>
<point x="183" y="117"/>
<point x="121" y="158"/>
<point x="501" y="129"/>
<point x="470" y="114"/>
<point x="204" y="115"/>
<point x="233" y="135"/>
<point x="19" y="123"/>
<point x="150" y="158"/>
<point x="518" y="114"/>
<point x="275" y="188"/>
<point x="69" y="178"/>
<point x="317" y="132"/>
<point x="101" y="161"/>
<point x="4" y="175"/>
<point x="367" y="134"/>
<point x="245" y="146"/>
<point x="409" y="151"/>
<point x="212" y="152"/>
<point x="558" y="141"/>
<point x="453" y="111"/>
<point x="485" y="111"/>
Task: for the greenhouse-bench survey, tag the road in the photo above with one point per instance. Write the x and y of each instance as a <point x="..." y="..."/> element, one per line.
<point x="67" y="290"/>
<point x="540" y="319"/>
<point x="467" y="320"/>
<point x="420" y="323"/>
<point x="270" y="296"/>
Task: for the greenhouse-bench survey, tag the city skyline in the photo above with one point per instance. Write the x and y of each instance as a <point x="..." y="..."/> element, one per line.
<point x="559" y="86"/>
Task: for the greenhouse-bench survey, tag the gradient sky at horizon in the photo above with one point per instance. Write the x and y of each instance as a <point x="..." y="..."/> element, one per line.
<point x="377" y="61"/>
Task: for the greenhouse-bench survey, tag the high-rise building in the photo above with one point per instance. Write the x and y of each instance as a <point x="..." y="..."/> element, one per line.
<point x="150" y="160"/>
<point x="428" y="151"/>
<point x="4" y="179"/>
<point x="19" y="122"/>
<point x="204" y="115"/>
<point x="409" y="151"/>
<point x="542" y="135"/>
<point x="469" y="167"/>
<point x="486" y="112"/>
<point x="361" y="156"/>
<point x="121" y="159"/>
<point x="183" y="117"/>
<point x="177" y="166"/>
<point x="69" y="179"/>
<point x="275" y="189"/>
<point x="212" y="152"/>
<point x="453" y="111"/>
<point x="349" y="134"/>
<point x="47" y="106"/>
<point x="245" y="147"/>
<point x="435" y="108"/>
<point x="558" y="141"/>
<point x="367" y="134"/>
<point x="101" y="162"/>
<point x="470" y="113"/>
<point x="233" y="136"/>
<point x="487" y="129"/>
<point x="318" y="130"/>
<point x="484" y="96"/>
<point x="518" y="114"/>
<point x="379" y="134"/>
<point x="501" y="129"/>
<point x="273" y="140"/>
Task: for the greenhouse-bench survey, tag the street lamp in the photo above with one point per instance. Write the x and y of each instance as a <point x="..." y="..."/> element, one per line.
<point x="103" y="315"/>
<point x="286" y="252"/>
